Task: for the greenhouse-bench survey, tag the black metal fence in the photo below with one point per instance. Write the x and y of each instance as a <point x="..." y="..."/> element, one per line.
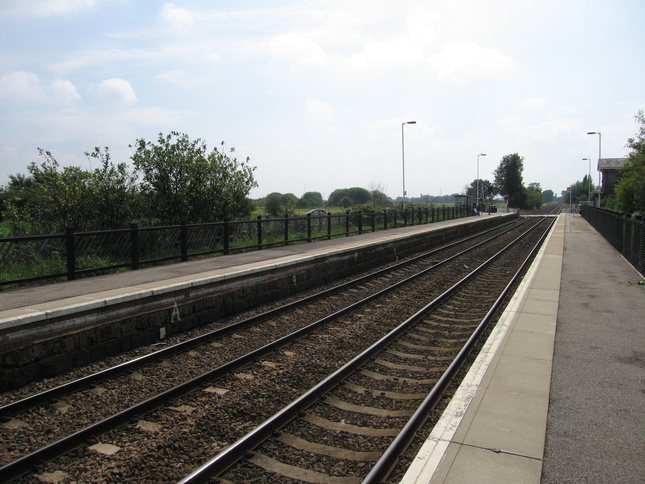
<point x="70" y="255"/>
<point x="625" y="233"/>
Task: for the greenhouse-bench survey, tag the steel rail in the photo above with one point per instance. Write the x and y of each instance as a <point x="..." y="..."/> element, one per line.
<point x="237" y="450"/>
<point x="27" y="462"/>
<point x="388" y="461"/>
<point x="79" y="384"/>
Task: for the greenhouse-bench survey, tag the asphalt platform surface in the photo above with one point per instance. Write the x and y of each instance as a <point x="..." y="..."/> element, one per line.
<point x="596" y="421"/>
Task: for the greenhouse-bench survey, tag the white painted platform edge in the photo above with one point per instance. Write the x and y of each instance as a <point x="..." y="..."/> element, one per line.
<point x="434" y="448"/>
<point x="34" y="314"/>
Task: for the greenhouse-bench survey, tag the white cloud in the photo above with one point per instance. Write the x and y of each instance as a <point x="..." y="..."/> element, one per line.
<point x="23" y="86"/>
<point x="117" y="91"/>
<point x="176" y="17"/>
<point x="181" y="78"/>
<point x="388" y="54"/>
<point x="64" y="92"/>
<point x="465" y="60"/>
<point x="319" y="109"/>
<point x="26" y="87"/>
<point x="298" y="49"/>
<point x="46" y="8"/>
<point x="417" y="40"/>
<point x="534" y="103"/>
<point x="422" y="26"/>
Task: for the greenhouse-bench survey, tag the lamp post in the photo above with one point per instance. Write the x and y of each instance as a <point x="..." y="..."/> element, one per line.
<point x="403" y="156"/>
<point x="477" y="201"/>
<point x="599" y="172"/>
<point x="589" y="178"/>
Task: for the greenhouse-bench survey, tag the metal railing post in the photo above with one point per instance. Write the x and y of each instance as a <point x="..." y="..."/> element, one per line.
<point x="286" y="229"/>
<point x="183" y="241"/>
<point x="70" y="250"/>
<point x="134" y="246"/>
<point x="226" y="234"/>
<point x="259" y="223"/>
<point x="308" y="227"/>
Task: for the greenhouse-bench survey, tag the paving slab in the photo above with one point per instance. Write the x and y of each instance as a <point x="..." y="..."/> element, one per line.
<point x="561" y="399"/>
<point x="493" y="429"/>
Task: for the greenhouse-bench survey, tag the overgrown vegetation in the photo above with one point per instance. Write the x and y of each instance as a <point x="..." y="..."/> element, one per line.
<point x="509" y="182"/>
<point x="630" y="188"/>
<point x="174" y="180"/>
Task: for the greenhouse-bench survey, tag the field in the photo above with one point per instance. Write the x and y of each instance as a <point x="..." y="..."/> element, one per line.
<point x="301" y="211"/>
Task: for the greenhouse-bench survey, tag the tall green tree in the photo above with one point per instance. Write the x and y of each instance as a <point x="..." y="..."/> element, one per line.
<point x="533" y="196"/>
<point x="113" y="192"/>
<point x="183" y="181"/>
<point x="535" y="186"/>
<point x="280" y="204"/>
<point x="55" y="198"/>
<point x="533" y="199"/>
<point x="509" y="180"/>
<point x="579" y="191"/>
<point x="273" y="204"/>
<point x="356" y="195"/>
<point x="310" y="200"/>
<point x="471" y="190"/>
<point x="630" y="188"/>
<point x="378" y="198"/>
<point x="15" y="195"/>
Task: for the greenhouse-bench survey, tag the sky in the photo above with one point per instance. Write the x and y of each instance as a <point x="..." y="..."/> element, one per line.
<point x="314" y="92"/>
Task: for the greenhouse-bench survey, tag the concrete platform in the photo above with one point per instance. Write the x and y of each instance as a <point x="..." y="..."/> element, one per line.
<point x="39" y="300"/>
<point x="46" y="330"/>
<point x="557" y="394"/>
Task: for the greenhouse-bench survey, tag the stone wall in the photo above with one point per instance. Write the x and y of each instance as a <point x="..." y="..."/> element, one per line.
<point x="44" y="349"/>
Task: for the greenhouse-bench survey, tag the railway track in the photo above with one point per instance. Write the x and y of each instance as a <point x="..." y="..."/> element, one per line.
<point x="250" y="385"/>
<point x="378" y="400"/>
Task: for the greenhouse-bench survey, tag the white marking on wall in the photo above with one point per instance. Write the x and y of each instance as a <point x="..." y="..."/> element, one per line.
<point x="175" y="316"/>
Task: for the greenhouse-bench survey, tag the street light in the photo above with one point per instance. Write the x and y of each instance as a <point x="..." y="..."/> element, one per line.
<point x="477" y="201"/>
<point x="599" y="172"/>
<point x="589" y="178"/>
<point x="403" y="156"/>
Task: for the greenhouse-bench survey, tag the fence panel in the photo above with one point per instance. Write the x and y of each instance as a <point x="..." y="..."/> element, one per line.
<point x="624" y="233"/>
<point x="96" y="251"/>
<point x="64" y="256"/>
<point x="26" y="259"/>
<point x="203" y="239"/>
